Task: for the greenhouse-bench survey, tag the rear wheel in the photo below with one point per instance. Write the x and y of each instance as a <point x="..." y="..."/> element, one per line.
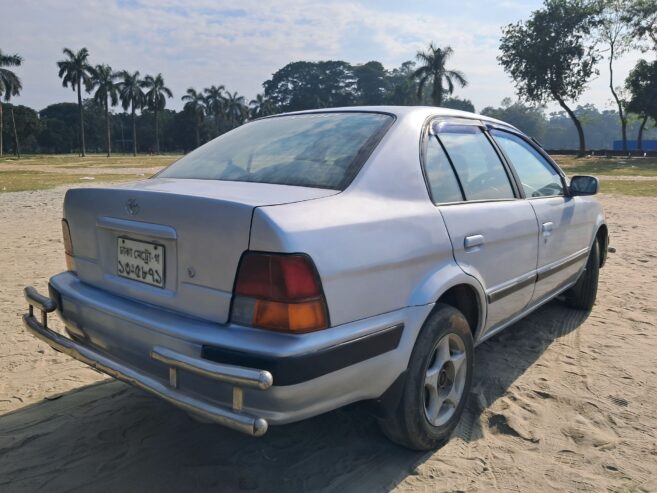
<point x="582" y="295"/>
<point x="437" y="384"/>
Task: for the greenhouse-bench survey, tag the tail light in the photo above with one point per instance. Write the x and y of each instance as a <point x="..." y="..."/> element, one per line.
<point x="68" y="246"/>
<point x="279" y="292"/>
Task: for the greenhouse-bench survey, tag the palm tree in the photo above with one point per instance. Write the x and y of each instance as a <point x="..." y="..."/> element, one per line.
<point x="106" y="95"/>
<point x="236" y="109"/>
<point x="75" y="70"/>
<point x="131" y="97"/>
<point x="215" y="102"/>
<point x="261" y="106"/>
<point x="10" y="84"/>
<point x="433" y="70"/>
<point x="195" y="103"/>
<point x="156" y="99"/>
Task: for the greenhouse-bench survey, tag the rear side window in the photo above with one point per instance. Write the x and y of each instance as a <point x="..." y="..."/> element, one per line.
<point x="480" y="171"/>
<point x="538" y="177"/>
<point x="321" y="150"/>
<point x="443" y="184"/>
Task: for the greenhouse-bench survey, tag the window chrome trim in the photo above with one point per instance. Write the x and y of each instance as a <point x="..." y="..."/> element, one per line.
<point x="478" y="201"/>
<point x="562" y="196"/>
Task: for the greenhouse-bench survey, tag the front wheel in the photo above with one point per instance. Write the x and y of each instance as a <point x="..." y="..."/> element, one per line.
<point x="437" y="384"/>
<point x="582" y="295"/>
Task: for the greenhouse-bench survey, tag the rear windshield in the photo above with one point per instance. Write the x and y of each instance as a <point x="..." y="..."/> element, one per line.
<point x="322" y="150"/>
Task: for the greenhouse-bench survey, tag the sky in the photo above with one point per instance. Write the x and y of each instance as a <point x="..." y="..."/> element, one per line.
<point x="198" y="43"/>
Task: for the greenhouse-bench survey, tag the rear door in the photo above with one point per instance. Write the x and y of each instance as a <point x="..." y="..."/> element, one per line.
<point x="563" y="239"/>
<point x="493" y="231"/>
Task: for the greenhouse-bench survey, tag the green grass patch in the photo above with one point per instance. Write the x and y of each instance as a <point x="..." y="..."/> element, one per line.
<point x="25" y="179"/>
<point x="614" y="166"/>
<point x="20" y="181"/>
<point x="634" y="188"/>
<point x="67" y="161"/>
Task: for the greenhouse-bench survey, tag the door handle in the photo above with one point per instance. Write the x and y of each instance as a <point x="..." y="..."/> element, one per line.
<point x="547" y="228"/>
<point x="473" y="241"/>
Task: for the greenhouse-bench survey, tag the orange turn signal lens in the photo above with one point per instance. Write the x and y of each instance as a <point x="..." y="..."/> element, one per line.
<point x="278" y="291"/>
<point x="290" y="317"/>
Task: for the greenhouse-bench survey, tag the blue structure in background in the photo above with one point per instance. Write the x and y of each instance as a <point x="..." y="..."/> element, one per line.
<point x="647" y="145"/>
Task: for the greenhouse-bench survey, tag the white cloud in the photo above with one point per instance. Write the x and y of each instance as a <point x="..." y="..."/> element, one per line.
<point x="203" y="42"/>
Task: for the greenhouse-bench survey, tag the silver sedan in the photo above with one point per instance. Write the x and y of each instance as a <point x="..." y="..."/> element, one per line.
<point x="310" y="260"/>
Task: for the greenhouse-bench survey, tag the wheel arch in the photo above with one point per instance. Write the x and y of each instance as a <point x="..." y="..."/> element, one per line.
<point x="464" y="298"/>
<point x="451" y="286"/>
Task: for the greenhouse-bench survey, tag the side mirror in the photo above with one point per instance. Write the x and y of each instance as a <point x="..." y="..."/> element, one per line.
<point x="584" y="185"/>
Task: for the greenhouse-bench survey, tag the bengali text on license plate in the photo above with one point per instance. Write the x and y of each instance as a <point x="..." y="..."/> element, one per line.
<point x="141" y="261"/>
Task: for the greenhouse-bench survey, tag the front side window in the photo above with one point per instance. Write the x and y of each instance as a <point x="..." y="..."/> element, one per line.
<point x="440" y="176"/>
<point x="322" y="150"/>
<point x="538" y="177"/>
<point x="481" y="173"/>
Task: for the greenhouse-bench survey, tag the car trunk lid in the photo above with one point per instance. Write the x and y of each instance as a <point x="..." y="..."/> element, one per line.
<point x="199" y="228"/>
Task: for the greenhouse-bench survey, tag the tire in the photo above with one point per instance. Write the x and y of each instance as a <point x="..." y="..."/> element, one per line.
<point x="582" y="295"/>
<point x="419" y="421"/>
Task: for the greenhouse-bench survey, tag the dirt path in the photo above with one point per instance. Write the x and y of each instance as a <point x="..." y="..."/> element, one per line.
<point x="561" y="401"/>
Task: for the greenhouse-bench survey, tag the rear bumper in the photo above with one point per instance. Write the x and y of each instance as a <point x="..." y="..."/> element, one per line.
<point x="237" y="376"/>
<point x="194" y="364"/>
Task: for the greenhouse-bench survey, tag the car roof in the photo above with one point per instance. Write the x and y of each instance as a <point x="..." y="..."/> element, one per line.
<point x="405" y="111"/>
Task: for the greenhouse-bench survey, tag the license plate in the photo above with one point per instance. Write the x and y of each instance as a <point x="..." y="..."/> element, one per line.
<point x="141" y="261"/>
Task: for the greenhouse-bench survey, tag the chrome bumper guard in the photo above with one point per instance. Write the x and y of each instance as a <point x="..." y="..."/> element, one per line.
<point x="238" y="376"/>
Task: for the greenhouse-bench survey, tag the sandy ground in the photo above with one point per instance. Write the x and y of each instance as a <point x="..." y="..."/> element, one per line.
<point x="561" y="401"/>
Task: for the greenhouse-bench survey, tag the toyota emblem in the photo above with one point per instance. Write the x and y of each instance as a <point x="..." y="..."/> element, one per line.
<point x="132" y="207"/>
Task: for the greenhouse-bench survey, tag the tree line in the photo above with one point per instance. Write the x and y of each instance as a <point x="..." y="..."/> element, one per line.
<point x="214" y="110"/>
<point x="555" y="130"/>
<point x="147" y="95"/>
<point x="551" y="57"/>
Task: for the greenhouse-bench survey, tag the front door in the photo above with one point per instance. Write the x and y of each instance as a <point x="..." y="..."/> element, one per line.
<point x="563" y="243"/>
<point x="563" y="238"/>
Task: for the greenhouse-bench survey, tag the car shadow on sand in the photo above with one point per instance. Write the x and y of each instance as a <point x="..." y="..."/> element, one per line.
<point x="111" y="437"/>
